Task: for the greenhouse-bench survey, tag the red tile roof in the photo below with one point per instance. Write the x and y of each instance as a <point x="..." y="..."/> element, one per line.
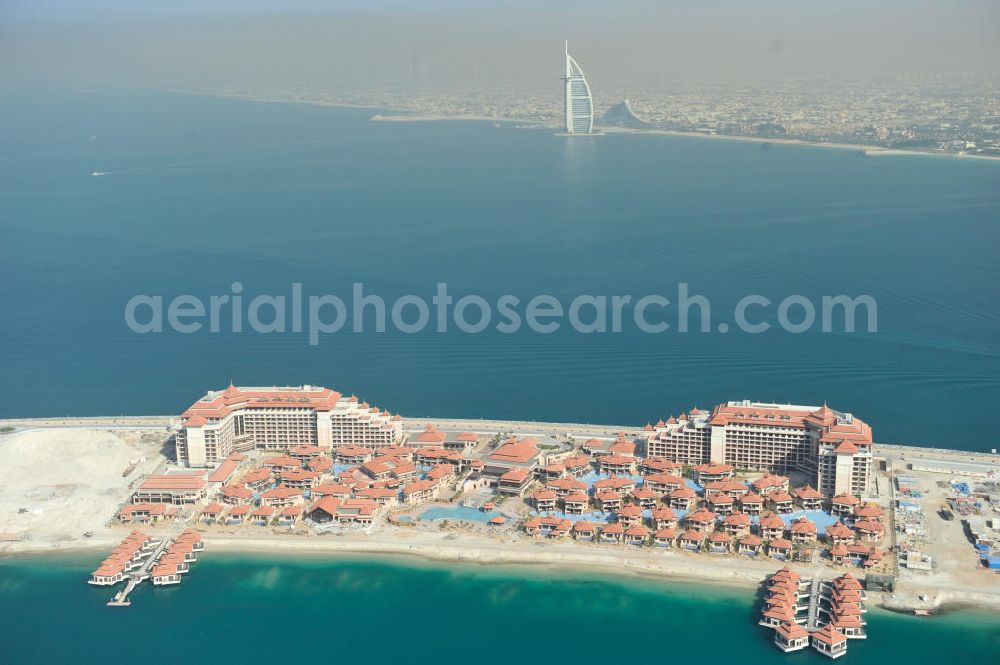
<point x="517" y="451"/>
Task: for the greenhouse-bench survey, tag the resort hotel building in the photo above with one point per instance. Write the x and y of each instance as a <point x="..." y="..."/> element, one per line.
<point x="578" y="105"/>
<point x="279" y="418"/>
<point x="833" y="447"/>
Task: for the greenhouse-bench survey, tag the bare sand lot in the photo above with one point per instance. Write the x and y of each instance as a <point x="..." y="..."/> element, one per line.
<point x="58" y="484"/>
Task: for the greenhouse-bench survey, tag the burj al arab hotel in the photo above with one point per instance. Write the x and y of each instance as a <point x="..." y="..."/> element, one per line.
<point x="579" y="103"/>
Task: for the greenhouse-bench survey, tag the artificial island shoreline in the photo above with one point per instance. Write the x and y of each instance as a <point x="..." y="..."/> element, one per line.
<point x="518" y="562"/>
<point x="566" y="557"/>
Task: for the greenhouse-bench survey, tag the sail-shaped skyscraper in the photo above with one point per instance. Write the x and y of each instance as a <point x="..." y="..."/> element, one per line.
<point x="579" y="103"/>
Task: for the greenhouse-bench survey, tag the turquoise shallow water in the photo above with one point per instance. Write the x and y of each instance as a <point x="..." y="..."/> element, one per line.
<point x="202" y="192"/>
<point x="263" y="609"/>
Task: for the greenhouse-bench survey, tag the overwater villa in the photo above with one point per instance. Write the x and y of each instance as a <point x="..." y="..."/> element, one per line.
<point x="825" y="615"/>
<point x="829" y="641"/>
<point x="128" y="555"/>
<point x="176" y="559"/>
<point x="790" y="636"/>
<point x="776" y="613"/>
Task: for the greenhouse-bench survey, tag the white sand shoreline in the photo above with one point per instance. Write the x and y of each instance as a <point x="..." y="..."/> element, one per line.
<point x="596" y="562"/>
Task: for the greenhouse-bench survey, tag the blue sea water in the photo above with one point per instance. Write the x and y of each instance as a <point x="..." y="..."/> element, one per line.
<point x="308" y="609"/>
<point x="201" y="192"/>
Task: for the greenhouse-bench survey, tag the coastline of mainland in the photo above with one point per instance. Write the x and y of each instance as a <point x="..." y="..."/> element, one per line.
<point x="386" y="114"/>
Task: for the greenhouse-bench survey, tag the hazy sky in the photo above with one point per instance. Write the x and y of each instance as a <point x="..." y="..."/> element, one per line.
<point x="449" y="43"/>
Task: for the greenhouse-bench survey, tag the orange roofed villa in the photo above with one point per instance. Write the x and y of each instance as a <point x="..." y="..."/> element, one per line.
<point x="279" y="418"/>
<point x="833" y="447"/>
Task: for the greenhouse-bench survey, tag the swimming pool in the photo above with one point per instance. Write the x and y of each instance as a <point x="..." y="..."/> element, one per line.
<point x="822" y="518"/>
<point x="459" y="513"/>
